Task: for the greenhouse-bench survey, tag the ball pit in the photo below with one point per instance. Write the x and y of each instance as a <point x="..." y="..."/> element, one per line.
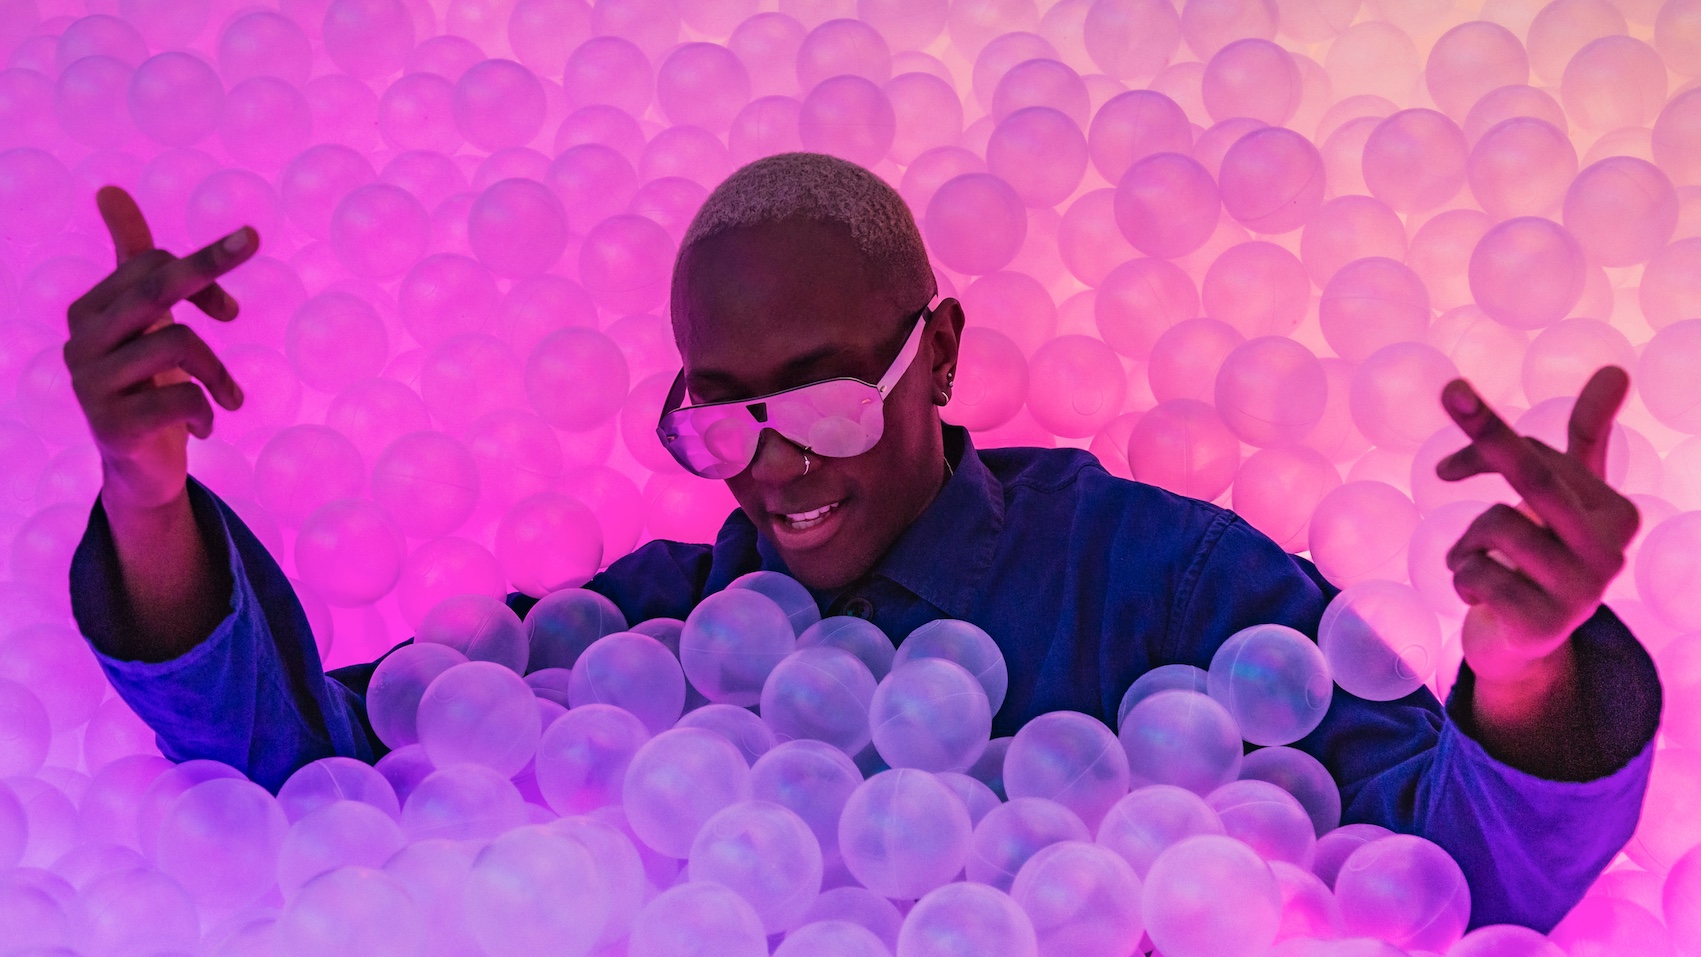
<point x="1232" y="248"/>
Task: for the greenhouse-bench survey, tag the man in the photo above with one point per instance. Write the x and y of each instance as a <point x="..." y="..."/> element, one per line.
<point x="802" y="294"/>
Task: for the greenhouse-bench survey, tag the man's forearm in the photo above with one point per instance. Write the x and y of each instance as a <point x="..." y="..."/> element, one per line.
<point x="1532" y="722"/>
<point x="176" y="594"/>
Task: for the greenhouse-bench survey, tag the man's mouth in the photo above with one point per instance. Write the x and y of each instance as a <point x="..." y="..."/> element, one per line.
<point x="802" y="521"/>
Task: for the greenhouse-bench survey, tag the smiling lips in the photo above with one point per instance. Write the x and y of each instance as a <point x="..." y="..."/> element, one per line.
<point x="801" y="521"/>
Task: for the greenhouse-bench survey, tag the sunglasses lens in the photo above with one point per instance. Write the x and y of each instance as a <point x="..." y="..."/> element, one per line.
<point x="839" y="418"/>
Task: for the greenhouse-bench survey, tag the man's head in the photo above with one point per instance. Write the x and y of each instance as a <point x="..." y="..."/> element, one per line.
<point x="798" y="268"/>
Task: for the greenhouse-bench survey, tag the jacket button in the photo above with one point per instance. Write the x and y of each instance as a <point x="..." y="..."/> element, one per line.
<point x="860" y="608"/>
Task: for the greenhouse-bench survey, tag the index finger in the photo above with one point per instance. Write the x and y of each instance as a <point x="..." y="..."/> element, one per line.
<point x="1496" y="446"/>
<point x="1591" y="417"/>
<point x="124" y="220"/>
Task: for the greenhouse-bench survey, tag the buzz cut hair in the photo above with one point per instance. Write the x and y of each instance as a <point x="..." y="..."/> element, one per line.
<point x="826" y="189"/>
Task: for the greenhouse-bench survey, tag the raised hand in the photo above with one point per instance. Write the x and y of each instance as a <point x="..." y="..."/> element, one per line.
<point x="131" y="365"/>
<point x="1534" y="573"/>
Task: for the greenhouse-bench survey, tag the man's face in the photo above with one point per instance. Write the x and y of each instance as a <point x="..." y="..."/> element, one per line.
<point x="786" y="304"/>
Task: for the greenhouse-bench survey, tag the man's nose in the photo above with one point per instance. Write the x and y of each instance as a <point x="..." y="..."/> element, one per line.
<point x="778" y="459"/>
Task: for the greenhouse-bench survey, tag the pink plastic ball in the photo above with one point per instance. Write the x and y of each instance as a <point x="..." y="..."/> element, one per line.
<point x="1360" y="530"/>
<point x="1671" y="395"/>
<point x="781" y="881"/>
<point x="1370" y="304"/>
<point x="1088" y="239"/>
<point x="1271" y="391"/>
<point x="264" y="43"/>
<point x="1267" y="819"/>
<point x="847" y="116"/>
<point x="1508" y="102"/>
<point x="593" y="181"/>
<point x="702" y="84"/>
<point x="220" y="840"/>
<point x="576" y="379"/>
<point x="1042" y="82"/>
<point x="1276" y="489"/>
<point x="1001" y="55"/>
<point x="820" y="694"/>
<point x="1381" y="639"/>
<point x="1185" y="359"/>
<point x="1134" y="125"/>
<point x="1141" y="299"/>
<point x="1167" y="205"/>
<point x="929" y="115"/>
<point x="176" y="98"/>
<point x="1527" y="272"/>
<point x="625" y="263"/>
<point x="266" y="121"/>
<point x="1075" y="385"/>
<point x="679" y="780"/>
<point x="1470" y="61"/>
<point x="397" y="685"/>
<point x="1040" y="152"/>
<point x="479" y="713"/>
<point x="1069" y="758"/>
<point x="1182" y="445"/>
<point x="685" y="152"/>
<point x="374" y="412"/>
<point x="1253" y="78"/>
<point x="368" y="38"/>
<point x="517" y="228"/>
<point x="1622" y="210"/>
<point x="609" y="70"/>
<point x="428" y="482"/>
<point x="1521" y="167"/>
<point x="548" y="542"/>
<point x="1259" y="288"/>
<point x="350" y="553"/>
<point x="379" y="231"/>
<point x="843" y="47"/>
<point x="1396" y="395"/>
<point x="304" y="467"/>
<point x="468" y="376"/>
<point x="902" y="833"/>
<point x="1210" y="895"/>
<point x="1349" y="228"/>
<point x="1014" y="304"/>
<point x="498" y="104"/>
<point x="992" y="381"/>
<point x="444" y="295"/>
<point x="1440" y="254"/>
<point x="1670" y="290"/>
<point x="1612" y="83"/>
<point x="1563" y="356"/>
<point x="417" y="113"/>
<point x="1415" y="160"/>
<point x="99" y="35"/>
<point x="1406" y="890"/>
<point x="975" y="223"/>
<point x="334" y="340"/>
<point x="37" y="192"/>
<point x="229" y="199"/>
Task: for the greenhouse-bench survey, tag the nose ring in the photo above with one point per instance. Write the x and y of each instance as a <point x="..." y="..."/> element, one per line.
<point x="806" y="463"/>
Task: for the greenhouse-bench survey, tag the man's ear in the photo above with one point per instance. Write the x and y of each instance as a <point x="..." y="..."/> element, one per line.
<point x="945" y="335"/>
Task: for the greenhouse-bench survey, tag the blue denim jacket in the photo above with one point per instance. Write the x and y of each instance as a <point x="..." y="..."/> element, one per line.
<point x="1084" y="579"/>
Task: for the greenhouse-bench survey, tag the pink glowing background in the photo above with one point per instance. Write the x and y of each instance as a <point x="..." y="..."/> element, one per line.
<point x="1233" y="247"/>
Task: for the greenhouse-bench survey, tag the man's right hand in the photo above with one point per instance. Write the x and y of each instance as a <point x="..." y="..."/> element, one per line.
<point x="131" y="364"/>
<point x="131" y="368"/>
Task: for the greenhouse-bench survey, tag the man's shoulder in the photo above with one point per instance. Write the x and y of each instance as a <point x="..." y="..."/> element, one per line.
<point x="1077" y="478"/>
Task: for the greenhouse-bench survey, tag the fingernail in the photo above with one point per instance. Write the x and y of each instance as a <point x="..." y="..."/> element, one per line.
<point x="1464" y="401"/>
<point x="236" y="242"/>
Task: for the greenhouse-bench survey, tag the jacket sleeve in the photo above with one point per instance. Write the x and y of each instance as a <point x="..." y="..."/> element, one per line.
<point x="1530" y="846"/>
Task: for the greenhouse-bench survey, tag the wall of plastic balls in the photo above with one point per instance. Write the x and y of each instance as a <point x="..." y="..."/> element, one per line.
<point x="1233" y="247"/>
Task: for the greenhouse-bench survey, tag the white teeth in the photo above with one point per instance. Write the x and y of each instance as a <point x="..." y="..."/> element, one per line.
<point x="798" y="518"/>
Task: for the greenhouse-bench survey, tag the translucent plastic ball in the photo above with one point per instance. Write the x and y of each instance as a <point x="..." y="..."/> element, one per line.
<point x="1272" y="180"/>
<point x="1335" y="847"/>
<point x="1040" y="152"/>
<point x="813" y="780"/>
<point x="1274" y="681"/>
<point x="1521" y="167"/>
<point x="967" y="645"/>
<point x="1667" y="829"/>
<point x="583" y="756"/>
<point x="444" y="295"/>
<point x="847" y="116"/>
<point x="1527" y="272"/>
<point x="1012" y="833"/>
<point x="860" y="637"/>
<point x="517" y="227"/>
<point x="480" y="713"/>
<point x="1076" y="385"/>
<point x="1302" y="776"/>
<point x="564" y="623"/>
<point x="1082" y="899"/>
<point x="534" y="892"/>
<point x="1372" y="303"/>
<point x="1014" y="304"/>
<point x="1415" y="160"/>
<point x="731" y="641"/>
<point x="428" y="482"/>
<point x="902" y="833"/>
<point x="697" y="917"/>
<point x="822" y="694"/>
<point x="1133" y="125"/>
<point x="176" y="98"/>
<point x="747" y="732"/>
<point x="1395" y="395"/>
<point x="1271" y="391"/>
<point x="350" y="553"/>
<point x="1681" y="900"/>
<point x="619" y="864"/>
<point x="766" y="853"/>
<point x="479" y="627"/>
<point x="462" y="802"/>
<point x="340" y="834"/>
<point x="135" y="909"/>
<point x="1210" y="896"/>
<point x="1470" y="61"/>
<point x="1161" y="678"/>
<point x="379" y="230"/>
<point x="1139" y="300"/>
<point x="975" y="223"/>
<point x="959" y="920"/>
<point x="787" y="592"/>
<point x="630" y="671"/>
<point x="1622" y="210"/>
<point x="1253" y="78"/>
<point x="350" y="911"/>
<point x="832" y="938"/>
<point x="1150" y="819"/>
<point x="1268" y="819"/>
<point x="1405" y="890"/>
<point x="1381" y="639"/>
<point x="1347" y="228"/>
<point x="1167" y="205"/>
<point x="548" y="542"/>
<point x="220" y="841"/>
<point x="1277" y="489"/>
<point x="1360" y="532"/>
<point x="304" y="467"/>
<point x="931" y="714"/>
<point x="1505" y="940"/>
<point x="1259" y="288"/>
<point x="416" y="112"/>
<point x="334" y="340"/>
<point x="329" y="780"/>
<point x="861" y="907"/>
<point x="677" y="781"/>
<point x="1070" y="758"/>
<point x="625" y="263"/>
<point x="1610" y="925"/>
<point x="1183" y="738"/>
<point x="1182" y="445"/>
